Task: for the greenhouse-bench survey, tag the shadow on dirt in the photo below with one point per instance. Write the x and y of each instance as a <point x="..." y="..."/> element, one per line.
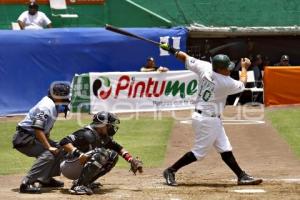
<point x="214" y="185"/>
<point x="96" y="191"/>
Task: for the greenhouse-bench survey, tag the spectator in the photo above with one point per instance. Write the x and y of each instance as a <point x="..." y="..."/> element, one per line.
<point x="33" y="19"/>
<point x="151" y="66"/>
<point x="256" y="67"/>
<point x="266" y="62"/>
<point x="284" y="61"/>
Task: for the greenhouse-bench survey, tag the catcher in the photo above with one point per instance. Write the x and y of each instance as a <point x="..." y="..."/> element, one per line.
<point x="92" y="153"/>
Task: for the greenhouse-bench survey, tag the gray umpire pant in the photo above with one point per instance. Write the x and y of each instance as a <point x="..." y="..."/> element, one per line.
<point x="46" y="164"/>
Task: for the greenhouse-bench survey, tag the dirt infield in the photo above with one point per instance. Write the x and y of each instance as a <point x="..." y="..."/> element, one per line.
<point x="257" y="147"/>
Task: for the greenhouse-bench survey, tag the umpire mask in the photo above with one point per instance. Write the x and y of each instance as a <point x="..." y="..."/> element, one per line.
<point x="60" y="93"/>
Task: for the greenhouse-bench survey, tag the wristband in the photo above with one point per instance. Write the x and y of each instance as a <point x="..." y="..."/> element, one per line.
<point x="173" y="51"/>
<point x="127" y="156"/>
<point x="76" y="152"/>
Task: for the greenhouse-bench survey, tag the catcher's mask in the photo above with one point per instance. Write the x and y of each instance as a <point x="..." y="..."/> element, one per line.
<point x="221" y="61"/>
<point x="107" y="118"/>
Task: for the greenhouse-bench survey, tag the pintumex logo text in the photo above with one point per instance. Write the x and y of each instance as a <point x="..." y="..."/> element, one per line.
<point x="103" y="88"/>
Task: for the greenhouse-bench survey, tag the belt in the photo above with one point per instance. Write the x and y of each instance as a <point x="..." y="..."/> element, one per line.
<point x="201" y="112"/>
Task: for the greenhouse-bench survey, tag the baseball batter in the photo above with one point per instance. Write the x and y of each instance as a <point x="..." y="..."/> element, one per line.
<point x="33" y="139"/>
<point x="215" y="85"/>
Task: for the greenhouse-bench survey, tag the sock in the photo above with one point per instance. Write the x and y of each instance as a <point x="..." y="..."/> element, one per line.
<point x="229" y="159"/>
<point x="186" y="159"/>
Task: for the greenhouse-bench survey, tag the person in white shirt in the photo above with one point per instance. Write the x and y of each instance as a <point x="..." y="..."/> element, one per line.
<point x="150" y="66"/>
<point x="215" y="85"/>
<point x="33" y="19"/>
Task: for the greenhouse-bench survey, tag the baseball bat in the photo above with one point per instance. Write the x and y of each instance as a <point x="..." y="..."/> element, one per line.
<point x="123" y="32"/>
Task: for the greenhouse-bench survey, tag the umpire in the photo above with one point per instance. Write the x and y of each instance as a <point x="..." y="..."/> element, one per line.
<point x="32" y="138"/>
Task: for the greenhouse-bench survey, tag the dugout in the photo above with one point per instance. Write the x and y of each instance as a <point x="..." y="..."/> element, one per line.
<point x="270" y="42"/>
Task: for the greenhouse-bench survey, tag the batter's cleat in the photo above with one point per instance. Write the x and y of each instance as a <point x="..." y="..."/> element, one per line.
<point x="170" y="177"/>
<point x="52" y="183"/>
<point x="81" y="190"/>
<point x="246" y="179"/>
<point x="29" y="188"/>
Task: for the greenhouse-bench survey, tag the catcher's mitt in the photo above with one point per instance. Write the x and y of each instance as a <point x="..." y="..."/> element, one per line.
<point x="136" y="165"/>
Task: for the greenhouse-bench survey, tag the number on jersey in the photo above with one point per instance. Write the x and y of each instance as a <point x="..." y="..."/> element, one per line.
<point x="206" y="89"/>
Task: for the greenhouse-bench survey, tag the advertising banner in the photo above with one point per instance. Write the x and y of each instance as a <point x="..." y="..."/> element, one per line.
<point x="140" y="92"/>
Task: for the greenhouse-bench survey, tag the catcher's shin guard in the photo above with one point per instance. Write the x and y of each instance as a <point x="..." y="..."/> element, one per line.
<point x="93" y="167"/>
<point x="111" y="162"/>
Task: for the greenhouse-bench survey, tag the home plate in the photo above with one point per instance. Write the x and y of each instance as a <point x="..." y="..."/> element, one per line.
<point x="250" y="191"/>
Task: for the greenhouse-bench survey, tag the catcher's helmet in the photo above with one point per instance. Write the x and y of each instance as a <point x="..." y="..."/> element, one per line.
<point x="107" y="118"/>
<point x="220" y="61"/>
<point x="60" y="90"/>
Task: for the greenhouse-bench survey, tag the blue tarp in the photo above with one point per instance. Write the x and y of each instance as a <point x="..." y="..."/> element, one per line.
<point x="31" y="60"/>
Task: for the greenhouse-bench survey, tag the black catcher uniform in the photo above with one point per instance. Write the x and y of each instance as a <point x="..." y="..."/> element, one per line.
<point x="93" y="143"/>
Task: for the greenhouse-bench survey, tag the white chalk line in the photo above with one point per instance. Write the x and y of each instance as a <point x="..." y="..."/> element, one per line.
<point x="231" y="122"/>
<point x="285" y="180"/>
<point x="249" y="191"/>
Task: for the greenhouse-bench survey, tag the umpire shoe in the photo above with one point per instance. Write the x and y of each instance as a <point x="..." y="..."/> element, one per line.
<point x="52" y="183"/>
<point x="29" y="188"/>
<point x="246" y="179"/>
<point x="81" y="190"/>
<point x="169" y="175"/>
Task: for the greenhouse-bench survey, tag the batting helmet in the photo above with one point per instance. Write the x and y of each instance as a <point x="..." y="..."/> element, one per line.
<point x="107" y="118"/>
<point x="222" y="61"/>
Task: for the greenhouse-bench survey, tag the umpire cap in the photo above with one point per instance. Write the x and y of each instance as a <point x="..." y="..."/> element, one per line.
<point x="60" y="90"/>
<point x="220" y="61"/>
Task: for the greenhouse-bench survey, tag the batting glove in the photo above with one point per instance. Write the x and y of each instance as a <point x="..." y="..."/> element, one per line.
<point x="168" y="48"/>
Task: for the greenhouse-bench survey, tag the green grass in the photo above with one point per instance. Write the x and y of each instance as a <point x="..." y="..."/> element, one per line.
<point x="287" y="122"/>
<point x="144" y="137"/>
